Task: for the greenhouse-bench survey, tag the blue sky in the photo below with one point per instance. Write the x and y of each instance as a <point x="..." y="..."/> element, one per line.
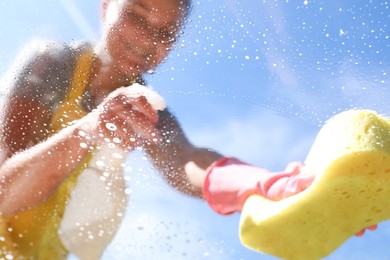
<point x="253" y="79"/>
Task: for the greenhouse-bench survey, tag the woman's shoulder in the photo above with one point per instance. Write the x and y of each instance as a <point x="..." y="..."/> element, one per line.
<point x="42" y="68"/>
<point x="40" y="50"/>
<point x="50" y="50"/>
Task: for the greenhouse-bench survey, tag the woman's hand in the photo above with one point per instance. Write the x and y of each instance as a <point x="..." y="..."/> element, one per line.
<point x="296" y="183"/>
<point x="291" y="181"/>
<point x="122" y="118"/>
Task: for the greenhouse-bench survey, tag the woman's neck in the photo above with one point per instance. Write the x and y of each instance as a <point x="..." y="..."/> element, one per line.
<point x="105" y="78"/>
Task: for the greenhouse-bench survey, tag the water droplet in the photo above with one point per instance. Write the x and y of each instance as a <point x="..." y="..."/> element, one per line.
<point x="111" y="127"/>
<point x="100" y="163"/>
<point x="9" y="257"/>
<point x="82" y="133"/>
<point x="116" y="140"/>
<point x="117" y="156"/>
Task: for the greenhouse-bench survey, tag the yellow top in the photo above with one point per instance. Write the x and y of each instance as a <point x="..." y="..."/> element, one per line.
<point x="351" y="157"/>
<point x="33" y="234"/>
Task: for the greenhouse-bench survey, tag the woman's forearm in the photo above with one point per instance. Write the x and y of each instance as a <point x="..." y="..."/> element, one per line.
<point x="28" y="178"/>
<point x="182" y="164"/>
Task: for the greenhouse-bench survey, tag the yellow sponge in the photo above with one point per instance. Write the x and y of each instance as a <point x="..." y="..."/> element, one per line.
<point x="351" y="157"/>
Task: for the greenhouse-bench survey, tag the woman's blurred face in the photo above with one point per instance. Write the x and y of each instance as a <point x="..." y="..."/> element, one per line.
<point x="143" y="34"/>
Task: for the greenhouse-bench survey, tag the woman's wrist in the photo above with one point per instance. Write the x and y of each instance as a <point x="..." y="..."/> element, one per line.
<point x="228" y="183"/>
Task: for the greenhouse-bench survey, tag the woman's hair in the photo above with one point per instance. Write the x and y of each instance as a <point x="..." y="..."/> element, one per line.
<point x="110" y="8"/>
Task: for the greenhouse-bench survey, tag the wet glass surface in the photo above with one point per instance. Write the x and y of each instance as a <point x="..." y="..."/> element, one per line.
<point x="251" y="79"/>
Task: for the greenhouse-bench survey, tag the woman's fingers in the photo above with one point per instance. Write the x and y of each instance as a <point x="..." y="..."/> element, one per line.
<point x="128" y="120"/>
<point x="374" y="227"/>
<point x="140" y="124"/>
<point x="363" y="231"/>
<point x="141" y="104"/>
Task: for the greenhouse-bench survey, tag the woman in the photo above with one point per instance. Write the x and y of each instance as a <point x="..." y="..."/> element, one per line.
<point x="57" y="117"/>
<point x="70" y="117"/>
